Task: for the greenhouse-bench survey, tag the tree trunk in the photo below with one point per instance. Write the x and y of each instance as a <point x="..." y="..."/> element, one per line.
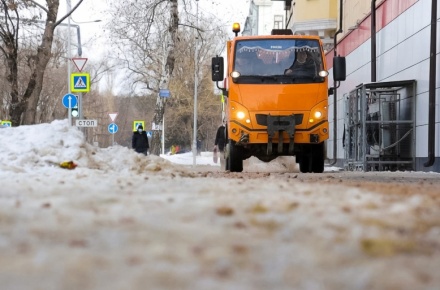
<point x="31" y="96"/>
<point x="167" y="69"/>
<point x="12" y="78"/>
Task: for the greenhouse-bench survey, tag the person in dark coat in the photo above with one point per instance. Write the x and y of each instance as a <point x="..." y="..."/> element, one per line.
<point x="220" y="143"/>
<point x="139" y="141"/>
<point x="199" y="147"/>
<point x="304" y="66"/>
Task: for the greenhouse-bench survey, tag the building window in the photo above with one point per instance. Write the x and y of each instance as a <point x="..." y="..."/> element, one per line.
<point x="278" y="22"/>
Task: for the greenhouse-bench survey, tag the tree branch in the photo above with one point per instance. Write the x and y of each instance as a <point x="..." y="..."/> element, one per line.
<point x="39" y="5"/>
<point x="68" y="14"/>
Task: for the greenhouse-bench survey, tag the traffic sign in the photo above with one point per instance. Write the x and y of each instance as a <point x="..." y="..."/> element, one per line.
<point x="113" y="116"/>
<point x="112" y="128"/>
<point x="164" y="93"/>
<point x="69" y="100"/>
<point x="86" y="123"/>
<point x="137" y="123"/>
<point x="6" y="123"/>
<point x="156" y="127"/>
<point x="80" y="82"/>
<point x="79" y="62"/>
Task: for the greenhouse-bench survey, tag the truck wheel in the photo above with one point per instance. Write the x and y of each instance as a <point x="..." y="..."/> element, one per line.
<point x="317" y="156"/>
<point x="312" y="159"/>
<point x="235" y="160"/>
<point x="304" y="163"/>
<point x="227" y="157"/>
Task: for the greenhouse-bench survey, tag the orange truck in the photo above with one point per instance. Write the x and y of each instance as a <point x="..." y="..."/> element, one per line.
<point x="276" y="92"/>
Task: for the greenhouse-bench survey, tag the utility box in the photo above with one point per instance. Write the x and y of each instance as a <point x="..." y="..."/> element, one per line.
<point x="379" y="132"/>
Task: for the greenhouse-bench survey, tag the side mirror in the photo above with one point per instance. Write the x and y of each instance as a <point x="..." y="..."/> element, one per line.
<point x="217" y="68"/>
<point x="339" y="73"/>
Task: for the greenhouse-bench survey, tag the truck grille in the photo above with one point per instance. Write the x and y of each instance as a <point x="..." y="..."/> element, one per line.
<point x="262" y="119"/>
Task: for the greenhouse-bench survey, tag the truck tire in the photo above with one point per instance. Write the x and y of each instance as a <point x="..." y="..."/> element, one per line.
<point x="304" y="164"/>
<point x="235" y="158"/>
<point x="312" y="159"/>
<point x="226" y="157"/>
<point x="318" y="158"/>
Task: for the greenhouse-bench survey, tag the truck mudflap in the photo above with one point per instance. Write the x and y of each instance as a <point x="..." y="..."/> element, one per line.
<point x="280" y="124"/>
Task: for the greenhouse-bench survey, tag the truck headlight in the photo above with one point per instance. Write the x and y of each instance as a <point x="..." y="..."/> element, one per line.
<point x="235" y="74"/>
<point x="317" y="114"/>
<point x="323" y="73"/>
<point x="241" y="115"/>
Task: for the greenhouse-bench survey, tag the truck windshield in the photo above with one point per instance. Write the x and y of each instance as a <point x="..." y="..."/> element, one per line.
<point x="278" y="61"/>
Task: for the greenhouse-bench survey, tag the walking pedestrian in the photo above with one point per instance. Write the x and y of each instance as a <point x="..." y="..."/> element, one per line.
<point x="139" y="141"/>
<point x="220" y="143"/>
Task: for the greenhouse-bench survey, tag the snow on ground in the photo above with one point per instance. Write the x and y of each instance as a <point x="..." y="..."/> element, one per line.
<point x="280" y="164"/>
<point x="122" y="220"/>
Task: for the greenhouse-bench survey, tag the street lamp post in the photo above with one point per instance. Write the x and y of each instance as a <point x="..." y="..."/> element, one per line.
<point x="195" y="88"/>
<point x="69" y="58"/>
<point x="78" y="33"/>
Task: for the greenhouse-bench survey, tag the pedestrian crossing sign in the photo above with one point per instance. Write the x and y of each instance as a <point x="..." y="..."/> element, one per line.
<point x="6" y="123"/>
<point x="137" y="123"/>
<point x="80" y="82"/>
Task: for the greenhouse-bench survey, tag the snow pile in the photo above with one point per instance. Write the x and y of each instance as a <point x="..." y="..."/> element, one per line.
<point x="36" y="147"/>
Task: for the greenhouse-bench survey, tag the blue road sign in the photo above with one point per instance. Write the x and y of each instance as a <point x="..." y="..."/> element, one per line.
<point x="112" y="128"/>
<point x="149" y="134"/>
<point x="70" y="100"/>
<point x="164" y="93"/>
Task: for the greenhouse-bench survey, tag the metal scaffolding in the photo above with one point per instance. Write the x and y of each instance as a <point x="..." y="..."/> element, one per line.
<point x="379" y="130"/>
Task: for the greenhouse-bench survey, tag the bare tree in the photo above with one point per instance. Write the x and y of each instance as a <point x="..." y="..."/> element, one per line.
<point x="179" y="115"/>
<point x="145" y="36"/>
<point x="157" y="50"/>
<point x="24" y="102"/>
<point x="167" y="72"/>
<point x="54" y="86"/>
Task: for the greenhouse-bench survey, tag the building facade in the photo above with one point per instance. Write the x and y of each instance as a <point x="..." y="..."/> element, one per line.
<point x="314" y="17"/>
<point x="393" y="51"/>
<point x="264" y="15"/>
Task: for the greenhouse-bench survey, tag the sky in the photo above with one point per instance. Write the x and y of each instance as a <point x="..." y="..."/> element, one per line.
<point x="122" y="220"/>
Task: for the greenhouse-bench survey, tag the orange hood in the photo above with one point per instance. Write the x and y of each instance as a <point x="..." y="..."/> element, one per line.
<point x="298" y="97"/>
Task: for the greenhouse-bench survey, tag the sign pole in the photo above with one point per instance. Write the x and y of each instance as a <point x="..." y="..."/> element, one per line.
<point x="194" y="149"/>
<point x="113" y="128"/>
<point x="80" y="109"/>
<point x="79" y="63"/>
<point x="163" y="134"/>
<point x="80" y="106"/>
<point x="69" y="57"/>
<point x="69" y="111"/>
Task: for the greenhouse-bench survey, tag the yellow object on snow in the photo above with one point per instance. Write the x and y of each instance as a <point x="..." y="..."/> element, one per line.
<point x="68" y="164"/>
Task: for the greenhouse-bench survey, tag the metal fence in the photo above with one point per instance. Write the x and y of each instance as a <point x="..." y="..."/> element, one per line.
<point x="379" y="130"/>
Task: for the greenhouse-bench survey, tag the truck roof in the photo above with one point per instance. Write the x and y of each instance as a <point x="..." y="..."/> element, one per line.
<point x="277" y="37"/>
